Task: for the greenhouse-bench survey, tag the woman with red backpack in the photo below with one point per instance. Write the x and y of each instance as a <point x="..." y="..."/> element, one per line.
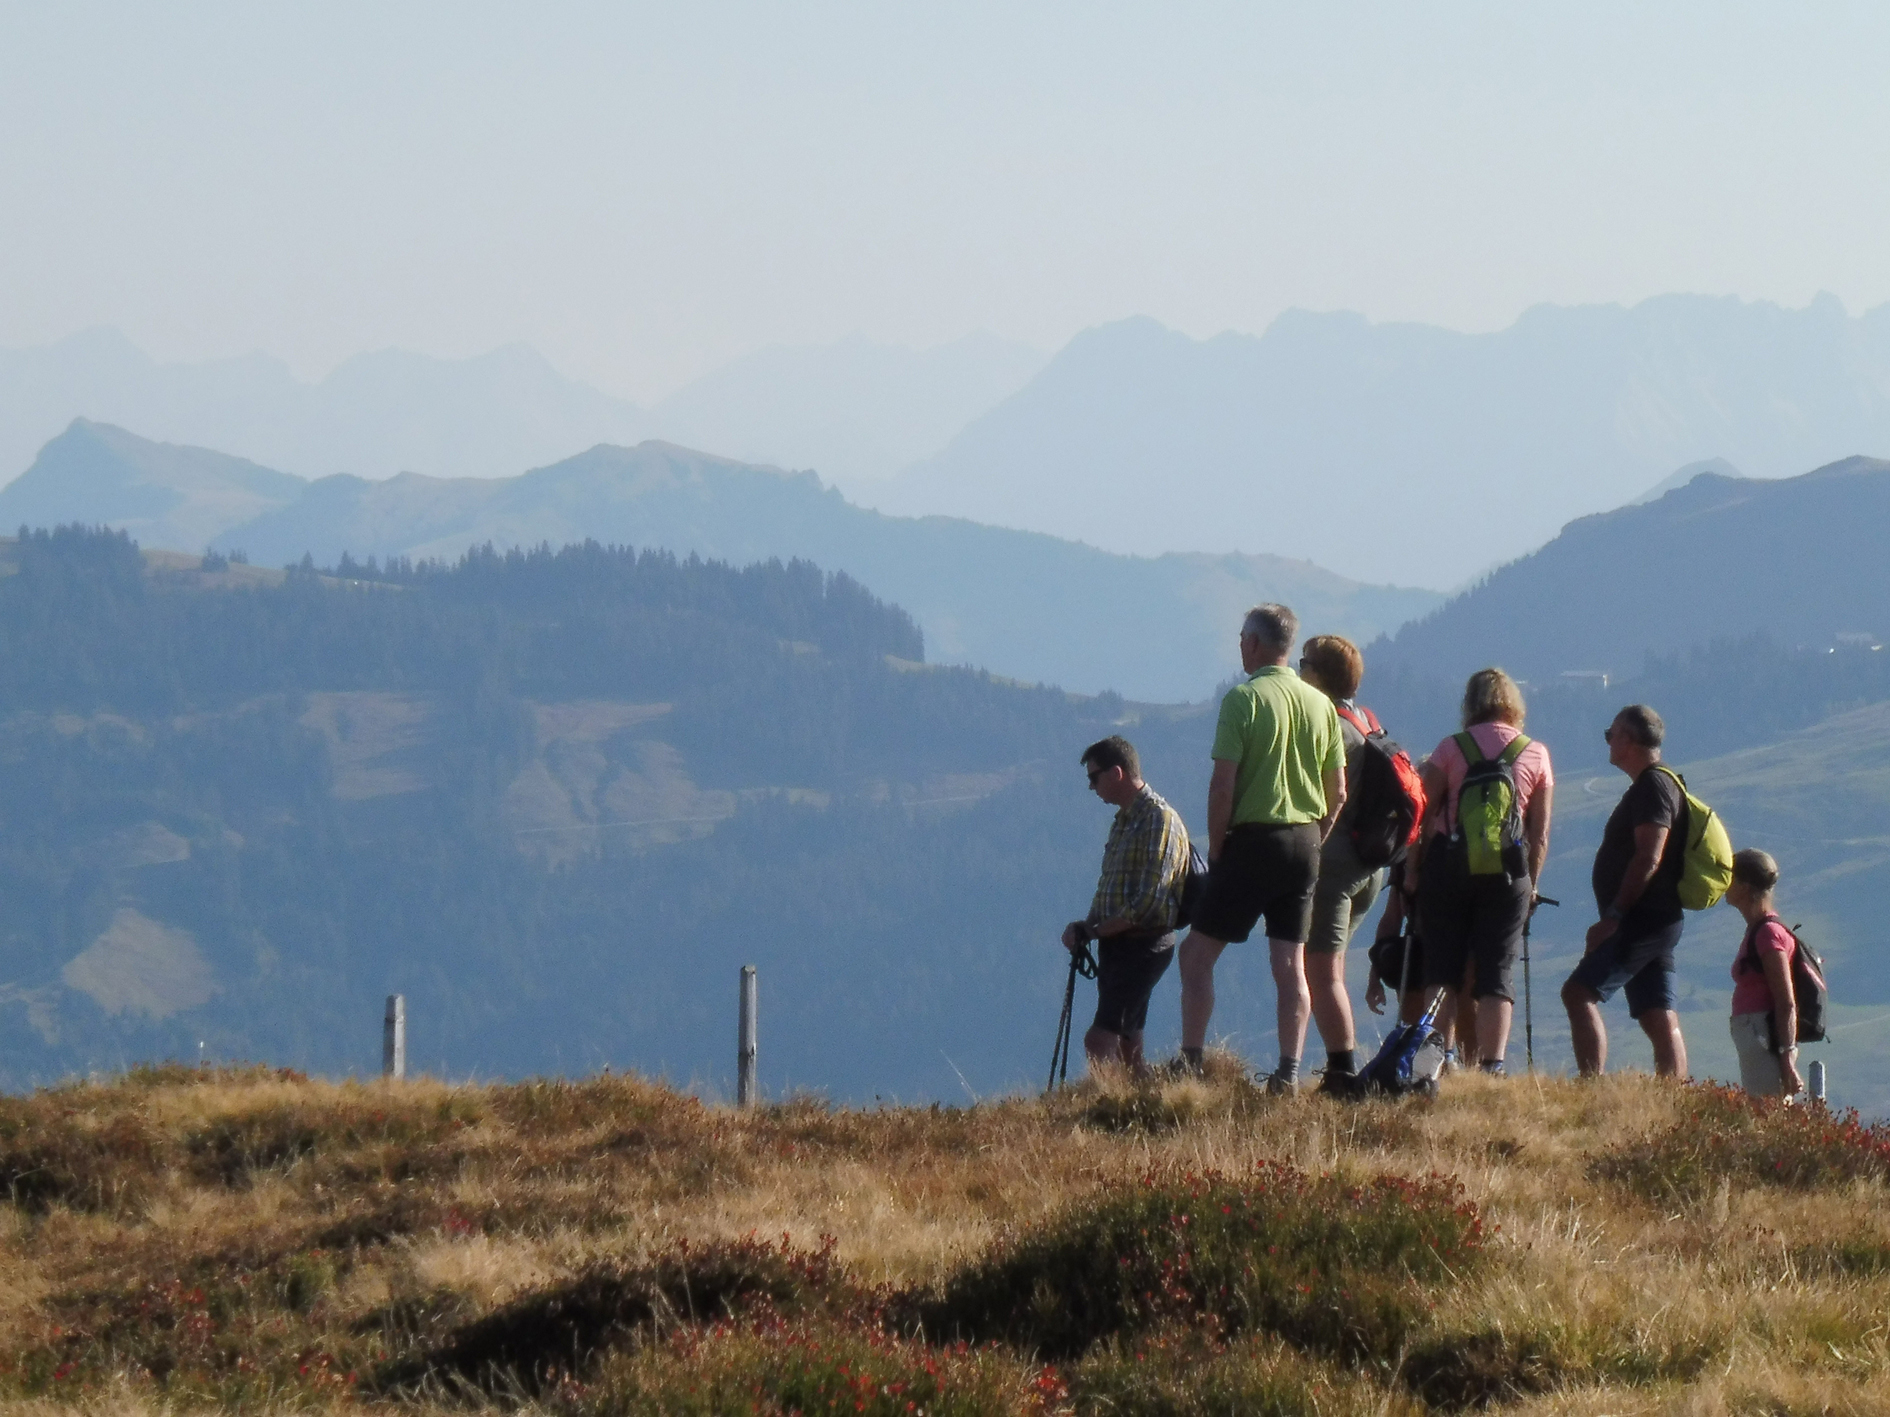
<point x="1383" y="806"/>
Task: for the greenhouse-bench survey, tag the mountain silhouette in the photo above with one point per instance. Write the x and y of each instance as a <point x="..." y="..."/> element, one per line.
<point x="1402" y="452"/>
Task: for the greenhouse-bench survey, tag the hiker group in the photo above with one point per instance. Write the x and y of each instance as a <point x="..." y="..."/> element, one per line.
<point x="1314" y="814"/>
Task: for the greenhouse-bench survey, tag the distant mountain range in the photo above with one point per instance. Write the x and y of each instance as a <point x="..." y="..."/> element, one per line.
<point x="854" y="409"/>
<point x="1798" y="559"/>
<point x="1392" y="453"/>
<point x="1407" y="453"/>
<point x="1020" y="604"/>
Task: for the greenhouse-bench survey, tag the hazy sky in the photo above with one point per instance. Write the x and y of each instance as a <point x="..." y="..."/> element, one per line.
<point x="642" y="192"/>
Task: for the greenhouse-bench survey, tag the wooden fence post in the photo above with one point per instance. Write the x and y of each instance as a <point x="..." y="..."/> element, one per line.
<point x="745" y="1048"/>
<point x="394" y="1038"/>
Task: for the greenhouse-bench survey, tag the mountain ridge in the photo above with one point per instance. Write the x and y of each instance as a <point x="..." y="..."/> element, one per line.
<point x="1021" y="604"/>
<point x="1798" y="558"/>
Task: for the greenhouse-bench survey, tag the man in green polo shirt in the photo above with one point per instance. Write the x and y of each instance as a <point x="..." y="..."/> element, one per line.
<point x="1279" y="781"/>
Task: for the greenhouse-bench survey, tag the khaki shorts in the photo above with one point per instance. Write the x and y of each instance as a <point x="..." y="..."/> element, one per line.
<point x="1759" y="1072"/>
<point x="1342" y="898"/>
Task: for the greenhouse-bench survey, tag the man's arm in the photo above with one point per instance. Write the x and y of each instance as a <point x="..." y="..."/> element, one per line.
<point x="1220" y="805"/>
<point x="1649" y="842"/>
<point x="1335" y="799"/>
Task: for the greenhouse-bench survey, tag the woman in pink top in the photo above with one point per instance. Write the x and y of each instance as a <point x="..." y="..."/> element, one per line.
<point x="1472" y="921"/>
<point x="1764" y="1008"/>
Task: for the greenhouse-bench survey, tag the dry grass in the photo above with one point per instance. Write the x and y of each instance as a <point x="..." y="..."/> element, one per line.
<point x="179" y="1240"/>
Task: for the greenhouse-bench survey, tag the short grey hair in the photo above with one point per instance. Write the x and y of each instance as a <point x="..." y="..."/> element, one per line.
<point x="1646" y="725"/>
<point x="1272" y="625"/>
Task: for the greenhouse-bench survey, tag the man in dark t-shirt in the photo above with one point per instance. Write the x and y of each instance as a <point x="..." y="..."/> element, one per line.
<point x="1637" y="893"/>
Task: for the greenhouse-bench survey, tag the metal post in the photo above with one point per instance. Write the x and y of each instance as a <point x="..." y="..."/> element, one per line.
<point x="394" y="1038"/>
<point x="745" y="1048"/>
<point x="1817" y="1081"/>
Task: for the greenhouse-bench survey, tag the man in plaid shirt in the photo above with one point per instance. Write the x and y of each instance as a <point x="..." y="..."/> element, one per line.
<point x="1132" y="919"/>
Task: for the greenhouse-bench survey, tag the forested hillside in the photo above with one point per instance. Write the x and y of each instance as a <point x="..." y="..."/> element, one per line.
<point x="554" y="798"/>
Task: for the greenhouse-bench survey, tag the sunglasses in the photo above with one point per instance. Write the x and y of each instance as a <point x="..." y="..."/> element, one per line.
<point x="1093" y="774"/>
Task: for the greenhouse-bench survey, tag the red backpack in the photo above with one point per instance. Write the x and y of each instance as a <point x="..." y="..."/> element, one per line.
<point x="1386" y="802"/>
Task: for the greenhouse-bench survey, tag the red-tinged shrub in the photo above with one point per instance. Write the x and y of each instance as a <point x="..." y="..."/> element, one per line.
<point x="1334" y="1265"/>
<point x="1725" y="1133"/>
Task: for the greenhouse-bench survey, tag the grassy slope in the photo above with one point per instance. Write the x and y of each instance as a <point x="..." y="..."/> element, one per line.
<point x="1824" y="798"/>
<point x="180" y="1240"/>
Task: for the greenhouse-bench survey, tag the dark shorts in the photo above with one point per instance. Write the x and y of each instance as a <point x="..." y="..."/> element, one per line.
<point x="1470" y="919"/>
<point x="1128" y="967"/>
<point x="1264" y="871"/>
<point x="1644" y="965"/>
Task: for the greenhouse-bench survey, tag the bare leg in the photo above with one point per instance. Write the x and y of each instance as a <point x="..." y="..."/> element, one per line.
<point x="1662" y="1027"/>
<point x="1465" y="1014"/>
<point x="1295" y="1001"/>
<point x="1331" y="1007"/>
<point x="1132" y="1052"/>
<point x="1585" y="1027"/>
<point x="1493" y="1019"/>
<point x="1103" y="1047"/>
<point x="1197" y="955"/>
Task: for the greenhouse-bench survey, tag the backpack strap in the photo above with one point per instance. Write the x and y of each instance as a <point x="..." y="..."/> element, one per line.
<point x="1467" y="745"/>
<point x="1748" y="956"/>
<point x="1516" y="748"/>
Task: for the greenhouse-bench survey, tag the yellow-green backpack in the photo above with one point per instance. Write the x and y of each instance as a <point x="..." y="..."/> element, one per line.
<point x="1707" y="870"/>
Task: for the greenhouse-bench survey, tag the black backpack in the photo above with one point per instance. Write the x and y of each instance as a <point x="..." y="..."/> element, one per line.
<point x="1193" y="886"/>
<point x="1810" y="994"/>
<point x="1386" y="804"/>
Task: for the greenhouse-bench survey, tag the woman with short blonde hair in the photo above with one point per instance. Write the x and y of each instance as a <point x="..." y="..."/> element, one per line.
<point x="1473" y="923"/>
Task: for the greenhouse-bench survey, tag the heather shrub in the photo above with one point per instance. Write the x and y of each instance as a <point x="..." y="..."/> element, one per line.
<point x="52" y="1153"/>
<point x="774" y="1367"/>
<point x="1724" y="1133"/>
<point x="544" y="1337"/>
<point x="1334" y="1265"/>
<point x="218" y="1327"/>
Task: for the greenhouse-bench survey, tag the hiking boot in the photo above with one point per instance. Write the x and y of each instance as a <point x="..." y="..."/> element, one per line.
<point x="1179" y="1069"/>
<point x="1278" y="1086"/>
<point x="1337" y="1084"/>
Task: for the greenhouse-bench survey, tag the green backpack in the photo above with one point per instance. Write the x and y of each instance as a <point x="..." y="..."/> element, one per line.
<point x="1707" y="869"/>
<point x="1489" y="810"/>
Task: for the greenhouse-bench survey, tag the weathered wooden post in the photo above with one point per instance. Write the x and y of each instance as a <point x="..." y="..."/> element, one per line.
<point x="1817" y="1081"/>
<point x="745" y="1047"/>
<point x="394" y="1038"/>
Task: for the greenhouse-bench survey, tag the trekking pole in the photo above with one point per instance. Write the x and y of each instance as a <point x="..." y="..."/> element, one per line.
<point x="1528" y="1000"/>
<point x="1404" y="960"/>
<point x="1080" y="963"/>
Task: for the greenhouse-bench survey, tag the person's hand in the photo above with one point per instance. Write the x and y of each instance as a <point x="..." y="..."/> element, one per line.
<point x="1600" y="933"/>
<point x="1788" y="1070"/>
<point x="1375" y="994"/>
<point x="1075" y="935"/>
